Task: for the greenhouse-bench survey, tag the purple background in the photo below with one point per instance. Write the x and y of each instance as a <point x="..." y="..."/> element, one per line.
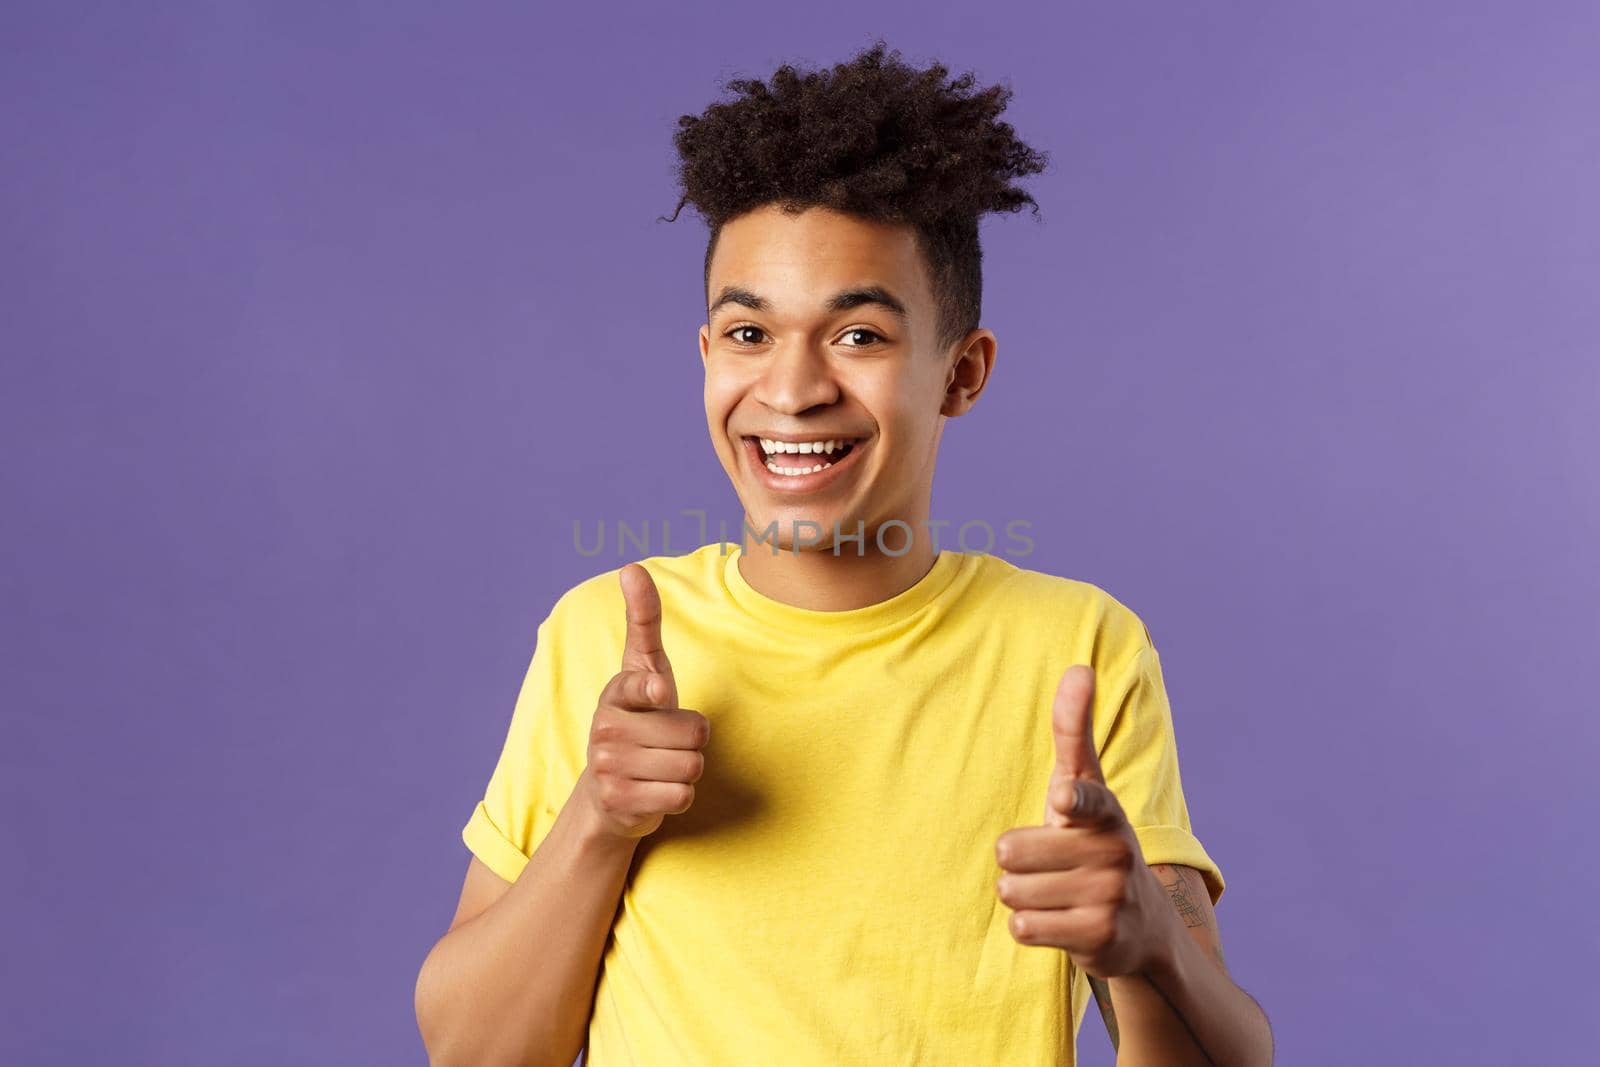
<point x="322" y="324"/>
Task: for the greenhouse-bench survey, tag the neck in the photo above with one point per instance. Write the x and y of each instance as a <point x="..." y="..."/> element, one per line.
<point x="818" y="579"/>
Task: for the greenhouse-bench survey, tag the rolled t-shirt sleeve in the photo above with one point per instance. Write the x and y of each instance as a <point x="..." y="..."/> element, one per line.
<point x="1139" y="758"/>
<point x="521" y="801"/>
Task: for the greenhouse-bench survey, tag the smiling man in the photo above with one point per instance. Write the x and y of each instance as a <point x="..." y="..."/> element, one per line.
<point x="825" y="399"/>
<point x="836" y="794"/>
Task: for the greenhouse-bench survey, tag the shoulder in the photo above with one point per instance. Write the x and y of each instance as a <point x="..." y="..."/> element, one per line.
<point x="1053" y="600"/>
<point x="595" y="603"/>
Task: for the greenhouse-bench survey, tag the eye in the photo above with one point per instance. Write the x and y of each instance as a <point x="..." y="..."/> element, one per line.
<point x="875" y="335"/>
<point x="741" y="328"/>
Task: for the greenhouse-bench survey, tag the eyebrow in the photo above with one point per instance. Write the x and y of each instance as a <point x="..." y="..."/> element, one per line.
<point x="843" y="300"/>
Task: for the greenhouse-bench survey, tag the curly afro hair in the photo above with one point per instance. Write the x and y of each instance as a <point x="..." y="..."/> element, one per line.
<point x="876" y="139"/>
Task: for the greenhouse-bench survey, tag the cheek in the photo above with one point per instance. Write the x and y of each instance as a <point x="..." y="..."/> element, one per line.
<point x="722" y="396"/>
<point x="724" y="392"/>
<point x="906" y="407"/>
<point x="910" y="429"/>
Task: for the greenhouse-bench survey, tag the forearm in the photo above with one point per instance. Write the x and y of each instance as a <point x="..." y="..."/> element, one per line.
<point x="1184" y="1009"/>
<point x="515" y="985"/>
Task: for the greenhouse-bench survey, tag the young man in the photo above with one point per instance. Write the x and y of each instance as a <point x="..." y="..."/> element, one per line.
<point x="834" y="795"/>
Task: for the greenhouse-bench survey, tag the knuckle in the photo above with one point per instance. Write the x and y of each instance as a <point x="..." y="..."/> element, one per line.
<point x="695" y="766"/>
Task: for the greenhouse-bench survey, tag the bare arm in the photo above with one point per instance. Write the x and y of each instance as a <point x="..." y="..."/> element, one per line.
<point x="1186" y="1010"/>
<point x="512" y="981"/>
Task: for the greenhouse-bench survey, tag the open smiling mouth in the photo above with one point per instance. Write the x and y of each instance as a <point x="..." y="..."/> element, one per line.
<point x="801" y="464"/>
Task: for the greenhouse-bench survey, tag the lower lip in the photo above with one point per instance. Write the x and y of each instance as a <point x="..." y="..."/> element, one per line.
<point x="799" y="483"/>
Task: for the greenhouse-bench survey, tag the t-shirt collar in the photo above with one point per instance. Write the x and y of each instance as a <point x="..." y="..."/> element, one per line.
<point x="789" y="617"/>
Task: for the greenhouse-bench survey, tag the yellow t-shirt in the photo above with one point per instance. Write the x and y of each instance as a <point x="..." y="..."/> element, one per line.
<point x="829" y="899"/>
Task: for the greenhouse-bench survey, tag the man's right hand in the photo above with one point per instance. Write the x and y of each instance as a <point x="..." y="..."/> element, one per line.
<point x="644" y="750"/>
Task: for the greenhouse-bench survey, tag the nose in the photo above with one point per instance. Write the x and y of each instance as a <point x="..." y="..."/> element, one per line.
<point x="796" y="379"/>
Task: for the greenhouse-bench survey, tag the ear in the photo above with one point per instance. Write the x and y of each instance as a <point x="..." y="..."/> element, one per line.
<point x="969" y="372"/>
<point x="705" y="342"/>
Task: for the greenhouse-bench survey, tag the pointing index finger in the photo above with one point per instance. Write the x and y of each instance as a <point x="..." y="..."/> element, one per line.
<point x="1082" y="802"/>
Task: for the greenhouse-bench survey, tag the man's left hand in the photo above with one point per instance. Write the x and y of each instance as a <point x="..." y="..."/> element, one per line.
<point x="1079" y="882"/>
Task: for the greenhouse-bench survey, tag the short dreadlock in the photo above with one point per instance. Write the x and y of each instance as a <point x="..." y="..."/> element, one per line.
<point x="873" y="138"/>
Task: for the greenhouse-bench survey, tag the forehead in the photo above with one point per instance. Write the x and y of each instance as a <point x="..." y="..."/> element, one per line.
<point x="802" y="259"/>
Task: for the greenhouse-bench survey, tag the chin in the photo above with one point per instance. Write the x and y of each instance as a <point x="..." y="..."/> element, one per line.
<point x="794" y="520"/>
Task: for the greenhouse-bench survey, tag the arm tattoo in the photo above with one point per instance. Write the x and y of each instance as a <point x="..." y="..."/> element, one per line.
<point x="1185" y="894"/>
<point x="1183" y="898"/>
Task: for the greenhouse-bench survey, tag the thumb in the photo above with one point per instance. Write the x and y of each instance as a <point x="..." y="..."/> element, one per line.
<point x="641" y="648"/>
<point x="1072" y="718"/>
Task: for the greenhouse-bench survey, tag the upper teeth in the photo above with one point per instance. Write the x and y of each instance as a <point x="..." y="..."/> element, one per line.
<point x="824" y="447"/>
